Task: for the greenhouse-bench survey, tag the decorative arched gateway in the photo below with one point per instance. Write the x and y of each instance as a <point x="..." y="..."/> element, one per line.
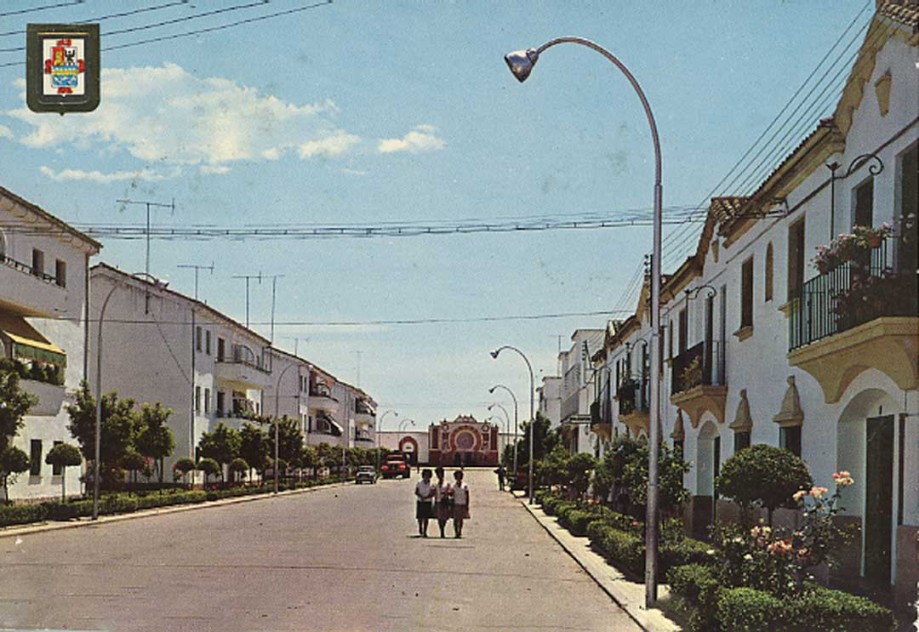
<point x="463" y="441"/>
<point x="409" y="447"/>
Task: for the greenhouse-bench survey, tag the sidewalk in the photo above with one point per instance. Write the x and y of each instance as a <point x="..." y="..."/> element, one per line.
<point x="39" y="527"/>
<point x="628" y="594"/>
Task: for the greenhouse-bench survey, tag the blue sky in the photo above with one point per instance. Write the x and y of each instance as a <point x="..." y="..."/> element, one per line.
<point x="368" y="112"/>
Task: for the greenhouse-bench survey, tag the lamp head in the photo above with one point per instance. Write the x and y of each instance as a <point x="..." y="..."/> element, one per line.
<point x="492" y="389"/>
<point x="494" y="354"/>
<point x="490" y="406"/>
<point x="521" y="63"/>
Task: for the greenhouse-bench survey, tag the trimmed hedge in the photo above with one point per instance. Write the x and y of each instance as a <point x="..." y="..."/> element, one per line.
<point x="21" y="514"/>
<point x="576" y="521"/>
<point x="128" y="503"/>
<point x="698" y="585"/>
<point x="625" y="550"/>
<point x="820" y="610"/>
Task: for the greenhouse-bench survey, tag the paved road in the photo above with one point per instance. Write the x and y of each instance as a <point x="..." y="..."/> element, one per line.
<point x="345" y="558"/>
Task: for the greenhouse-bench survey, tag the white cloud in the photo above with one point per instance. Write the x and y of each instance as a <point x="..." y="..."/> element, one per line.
<point x="420" y="139"/>
<point x="97" y="176"/>
<point x="5" y="132"/>
<point x="333" y="145"/>
<point x="215" y="169"/>
<point x="167" y="115"/>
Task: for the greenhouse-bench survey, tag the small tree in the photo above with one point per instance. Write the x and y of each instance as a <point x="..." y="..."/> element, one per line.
<point x="222" y="445"/>
<point x="763" y="475"/>
<point x="236" y="467"/>
<point x="13" y="462"/>
<point x="14" y="404"/>
<point x="183" y="466"/>
<point x="290" y="438"/>
<point x="209" y="466"/>
<point x="579" y="468"/>
<point x="253" y="446"/>
<point x="119" y="420"/>
<point x="154" y="438"/>
<point x="554" y="469"/>
<point x="671" y="469"/>
<point x="64" y="455"/>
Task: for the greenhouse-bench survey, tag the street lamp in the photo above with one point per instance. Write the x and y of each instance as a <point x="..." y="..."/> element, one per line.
<point x="507" y="423"/>
<point x="277" y="405"/>
<point x="404" y="421"/>
<point x="376" y="430"/>
<point x="513" y="397"/>
<point x="97" y="441"/>
<point x="494" y="354"/>
<point x="521" y="64"/>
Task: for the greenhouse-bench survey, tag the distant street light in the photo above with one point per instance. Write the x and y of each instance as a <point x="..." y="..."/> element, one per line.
<point x="495" y="354"/>
<point x="277" y="424"/>
<point x="507" y="423"/>
<point x="513" y="397"/>
<point x="521" y="64"/>
<point x="376" y="438"/>
<point x="404" y="421"/>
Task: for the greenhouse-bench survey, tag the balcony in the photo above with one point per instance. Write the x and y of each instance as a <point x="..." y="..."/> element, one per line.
<point x="32" y="294"/>
<point x="857" y="316"/>
<point x="326" y="425"/>
<point x="243" y="371"/>
<point x="698" y="381"/>
<point x="634" y="411"/>
<point x="321" y="398"/>
<point x="364" y="415"/>
<point x="600" y="420"/>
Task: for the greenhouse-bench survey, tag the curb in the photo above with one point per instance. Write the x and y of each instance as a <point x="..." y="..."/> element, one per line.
<point x="626" y="594"/>
<point x="40" y="527"/>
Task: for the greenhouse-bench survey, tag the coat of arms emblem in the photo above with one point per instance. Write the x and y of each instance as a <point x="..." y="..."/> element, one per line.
<point x="64" y="66"/>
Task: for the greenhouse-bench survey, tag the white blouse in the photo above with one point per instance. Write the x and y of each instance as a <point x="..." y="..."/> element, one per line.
<point x="424" y="490"/>
<point x="461" y="494"/>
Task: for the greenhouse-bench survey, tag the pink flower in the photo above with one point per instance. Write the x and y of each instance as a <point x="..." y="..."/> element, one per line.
<point x="799" y="496"/>
<point x="818" y="492"/>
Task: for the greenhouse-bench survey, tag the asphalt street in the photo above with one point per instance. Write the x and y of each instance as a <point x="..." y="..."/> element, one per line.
<point x="343" y="558"/>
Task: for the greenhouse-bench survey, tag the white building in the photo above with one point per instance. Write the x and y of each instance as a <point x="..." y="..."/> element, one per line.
<point x="577" y="389"/>
<point x="550" y="399"/>
<point x="44" y="265"/>
<point x="162" y="346"/>
<point x="761" y="346"/>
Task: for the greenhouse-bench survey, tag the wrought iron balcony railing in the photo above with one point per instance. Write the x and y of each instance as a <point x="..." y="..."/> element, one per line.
<point x="700" y="365"/>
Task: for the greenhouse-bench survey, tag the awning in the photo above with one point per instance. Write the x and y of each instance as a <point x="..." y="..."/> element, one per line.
<point x="26" y="343"/>
<point x="324" y="423"/>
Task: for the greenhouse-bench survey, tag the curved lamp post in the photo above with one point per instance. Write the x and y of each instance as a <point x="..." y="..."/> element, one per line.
<point x="97" y="441"/>
<point x="507" y="421"/>
<point x="404" y="421"/>
<point x="513" y="397"/>
<point x="521" y="64"/>
<point x="495" y="354"/>
<point x="379" y="422"/>
<point x="277" y="424"/>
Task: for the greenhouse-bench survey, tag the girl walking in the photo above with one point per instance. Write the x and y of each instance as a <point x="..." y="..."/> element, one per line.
<point x="460" y="503"/>
<point x="443" y="500"/>
<point x="424" y="508"/>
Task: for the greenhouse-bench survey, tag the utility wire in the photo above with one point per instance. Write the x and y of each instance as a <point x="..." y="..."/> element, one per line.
<point x="42" y="8"/>
<point x="211" y="29"/>
<point x="101" y="18"/>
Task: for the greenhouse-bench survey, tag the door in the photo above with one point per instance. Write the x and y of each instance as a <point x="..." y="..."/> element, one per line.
<point x="878" y="497"/>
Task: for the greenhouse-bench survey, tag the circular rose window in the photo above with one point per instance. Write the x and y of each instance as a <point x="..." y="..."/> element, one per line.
<point x="465" y="441"/>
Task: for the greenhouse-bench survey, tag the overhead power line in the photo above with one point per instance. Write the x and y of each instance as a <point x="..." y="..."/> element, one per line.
<point x="202" y="232"/>
<point x="102" y="18"/>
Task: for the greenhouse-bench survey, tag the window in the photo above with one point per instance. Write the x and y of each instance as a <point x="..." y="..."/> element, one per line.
<point x="670" y="339"/>
<point x="683" y="332"/>
<point x="863" y="211"/>
<point x="221" y="403"/>
<point x="207" y="342"/>
<point x="716" y="457"/>
<point x="60" y="273"/>
<point x="207" y="400"/>
<point x="746" y="293"/>
<point x="790" y="439"/>
<point x="35" y="458"/>
<point x="221" y="349"/>
<point x="907" y="194"/>
<point x="741" y="441"/>
<point x="38" y="262"/>
<point x="767" y="274"/>
<point x="56" y="469"/>
<point x="198" y="338"/>
<point x="796" y="257"/>
<point x="198" y="399"/>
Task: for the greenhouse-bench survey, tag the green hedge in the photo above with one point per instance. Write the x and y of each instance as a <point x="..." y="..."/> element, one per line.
<point x="21" y="514"/>
<point x="576" y="521"/>
<point x="820" y="610"/>
<point x="683" y="551"/>
<point x="623" y="549"/>
<point x="699" y="586"/>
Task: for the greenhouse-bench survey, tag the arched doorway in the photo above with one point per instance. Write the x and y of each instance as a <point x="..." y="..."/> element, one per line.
<point x="708" y="462"/>
<point x="865" y="445"/>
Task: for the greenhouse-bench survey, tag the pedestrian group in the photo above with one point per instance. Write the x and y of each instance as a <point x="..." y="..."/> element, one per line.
<point x="441" y="500"/>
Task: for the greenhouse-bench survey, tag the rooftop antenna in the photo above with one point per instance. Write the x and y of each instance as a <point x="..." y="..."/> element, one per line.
<point x="148" y="204"/>
<point x="197" y="268"/>
<point x="248" y="277"/>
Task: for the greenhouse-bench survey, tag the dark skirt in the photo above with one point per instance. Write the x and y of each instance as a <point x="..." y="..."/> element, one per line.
<point x="424" y="509"/>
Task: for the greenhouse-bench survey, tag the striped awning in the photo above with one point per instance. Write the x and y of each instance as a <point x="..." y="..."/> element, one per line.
<point x="26" y="343"/>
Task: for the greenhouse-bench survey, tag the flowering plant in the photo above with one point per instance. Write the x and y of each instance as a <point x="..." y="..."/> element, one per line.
<point x="779" y="560"/>
<point x="850" y="246"/>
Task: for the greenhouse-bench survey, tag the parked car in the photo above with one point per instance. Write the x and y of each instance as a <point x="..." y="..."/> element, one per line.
<point x="395" y="465"/>
<point x="366" y="474"/>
